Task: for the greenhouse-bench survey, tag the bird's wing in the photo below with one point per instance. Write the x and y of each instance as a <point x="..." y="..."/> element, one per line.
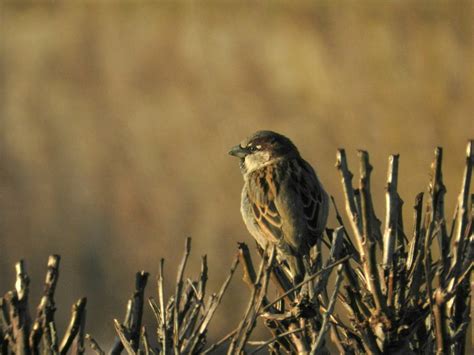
<point x="312" y="195"/>
<point x="261" y="193"/>
<point x="289" y="204"/>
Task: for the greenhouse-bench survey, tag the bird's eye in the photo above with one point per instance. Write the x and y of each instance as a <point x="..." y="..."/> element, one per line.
<point x="253" y="148"/>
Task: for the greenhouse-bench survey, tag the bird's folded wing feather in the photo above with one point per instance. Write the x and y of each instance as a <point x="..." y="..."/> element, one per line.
<point x="268" y="222"/>
<point x="300" y="204"/>
<point x="287" y="203"/>
<point x="261" y="196"/>
<point x="312" y="196"/>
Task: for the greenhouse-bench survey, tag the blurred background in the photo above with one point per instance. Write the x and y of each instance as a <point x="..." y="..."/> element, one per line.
<point x="116" y="119"/>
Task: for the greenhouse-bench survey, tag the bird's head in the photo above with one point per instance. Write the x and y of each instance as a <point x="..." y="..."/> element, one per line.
<point x="262" y="148"/>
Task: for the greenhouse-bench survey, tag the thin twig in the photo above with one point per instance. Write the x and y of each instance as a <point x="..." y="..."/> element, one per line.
<point x="203" y="278"/>
<point x="117" y="347"/>
<point x="179" y="288"/>
<point x="463" y="208"/>
<point x="124" y="335"/>
<point x="351" y="249"/>
<point x="368" y="251"/>
<point x="308" y="279"/>
<point x="391" y="215"/>
<point x="250" y="306"/>
<point x="351" y="209"/>
<point x="141" y="279"/>
<point x="20" y="317"/>
<point x="146" y="343"/>
<point x="44" y="323"/>
<point x="325" y="324"/>
<point x="163" y="313"/>
<point x="211" y="311"/>
<point x="78" y="312"/>
<point x="261" y="286"/>
<point x="276" y="338"/>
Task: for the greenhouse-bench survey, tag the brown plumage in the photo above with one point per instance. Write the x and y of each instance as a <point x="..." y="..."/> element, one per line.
<point x="283" y="202"/>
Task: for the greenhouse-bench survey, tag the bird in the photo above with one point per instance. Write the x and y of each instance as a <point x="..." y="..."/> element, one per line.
<point x="283" y="203"/>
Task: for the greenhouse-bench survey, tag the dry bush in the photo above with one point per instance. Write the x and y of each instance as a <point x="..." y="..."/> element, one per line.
<point x="399" y="294"/>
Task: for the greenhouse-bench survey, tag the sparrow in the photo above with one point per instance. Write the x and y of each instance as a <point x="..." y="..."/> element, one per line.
<point x="283" y="203"/>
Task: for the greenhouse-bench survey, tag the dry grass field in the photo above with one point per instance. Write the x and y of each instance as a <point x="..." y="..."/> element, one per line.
<point x="116" y="118"/>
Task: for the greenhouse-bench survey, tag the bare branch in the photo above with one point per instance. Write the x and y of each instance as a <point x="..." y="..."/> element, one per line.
<point x="124" y="335"/>
<point x="247" y="265"/>
<point x="308" y="279"/>
<point x="19" y="312"/>
<point x="258" y="295"/>
<point x="162" y="326"/>
<point x="463" y="208"/>
<point x="177" y="297"/>
<point x="368" y="251"/>
<point x="415" y="245"/>
<point x="133" y="317"/>
<point x="141" y="280"/>
<point x="391" y="215"/>
<point x="146" y="342"/>
<point x="194" y="341"/>
<point x="118" y="345"/>
<point x="77" y="319"/>
<point x="203" y="278"/>
<point x="332" y="301"/>
<point x="347" y="242"/>
<point x="351" y="208"/>
<point x="44" y="323"/>
<point x="276" y="338"/>
<point x="439" y="321"/>
<point x="437" y="191"/>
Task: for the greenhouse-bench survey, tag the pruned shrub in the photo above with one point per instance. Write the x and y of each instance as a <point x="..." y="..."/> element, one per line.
<point x="399" y="291"/>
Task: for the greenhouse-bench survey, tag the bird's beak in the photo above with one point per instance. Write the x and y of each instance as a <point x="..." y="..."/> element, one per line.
<point x="238" y="151"/>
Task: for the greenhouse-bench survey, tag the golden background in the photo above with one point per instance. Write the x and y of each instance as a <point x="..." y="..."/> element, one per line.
<point x="116" y="119"/>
